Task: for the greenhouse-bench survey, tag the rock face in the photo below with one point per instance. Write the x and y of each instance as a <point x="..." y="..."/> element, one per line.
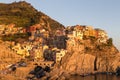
<point x="7" y="56"/>
<point x="115" y="63"/>
<point x="80" y="63"/>
<point x="90" y="60"/>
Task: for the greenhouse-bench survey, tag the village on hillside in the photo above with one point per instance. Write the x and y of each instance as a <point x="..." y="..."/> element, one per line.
<point x="42" y="45"/>
<point x="33" y="46"/>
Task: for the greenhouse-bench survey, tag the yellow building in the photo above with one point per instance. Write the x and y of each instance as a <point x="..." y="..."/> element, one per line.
<point x="39" y="53"/>
<point x="89" y="31"/>
<point x="17" y="47"/>
<point x="22" y="50"/>
<point x="2" y="27"/>
<point x="60" y="54"/>
<point x="45" y="47"/>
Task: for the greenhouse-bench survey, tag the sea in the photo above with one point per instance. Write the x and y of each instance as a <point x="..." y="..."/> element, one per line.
<point x="96" y="77"/>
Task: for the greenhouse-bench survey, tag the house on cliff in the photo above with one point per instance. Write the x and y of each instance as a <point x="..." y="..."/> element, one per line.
<point x="102" y="36"/>
<point x="22" y="49"/>
<point x="89" y="31"/>
<point x="78" y="32"/>
<point x="81" y="31"/>
<point x="60" y="54"/>
<point x="2" y="28"/>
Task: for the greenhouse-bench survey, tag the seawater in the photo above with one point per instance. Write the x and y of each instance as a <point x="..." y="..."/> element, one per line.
<point x="96" y="77"/>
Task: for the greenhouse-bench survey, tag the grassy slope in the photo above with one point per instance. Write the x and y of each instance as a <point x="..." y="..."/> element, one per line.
<point x="24" y="15"/>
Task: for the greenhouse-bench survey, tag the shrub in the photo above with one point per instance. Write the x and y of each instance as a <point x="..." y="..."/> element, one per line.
<point x="110" y="42"/>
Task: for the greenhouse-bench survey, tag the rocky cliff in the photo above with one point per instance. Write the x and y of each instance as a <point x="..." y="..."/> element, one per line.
<point x="7" y="56"/>
<point x="88" y="57"/>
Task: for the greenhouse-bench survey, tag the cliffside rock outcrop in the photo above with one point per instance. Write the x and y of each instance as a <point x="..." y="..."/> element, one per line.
<point x="87" y="60"/>
<point x="80" y="64"/>
<point x="7" y="56"/>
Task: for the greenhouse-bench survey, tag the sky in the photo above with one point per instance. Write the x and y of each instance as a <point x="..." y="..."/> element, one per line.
<point x="104" y="14"/>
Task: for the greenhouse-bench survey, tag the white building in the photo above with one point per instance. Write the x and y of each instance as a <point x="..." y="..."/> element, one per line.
<point x="60" y="55"/>
<point x="78" y="34"/>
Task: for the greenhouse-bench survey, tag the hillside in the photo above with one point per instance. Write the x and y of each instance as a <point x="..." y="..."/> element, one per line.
<point x="7" y="55"/>
<point x="23" y="14"/>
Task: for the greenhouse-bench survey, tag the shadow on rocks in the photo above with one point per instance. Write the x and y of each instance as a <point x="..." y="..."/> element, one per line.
<point x="39" y="73"/>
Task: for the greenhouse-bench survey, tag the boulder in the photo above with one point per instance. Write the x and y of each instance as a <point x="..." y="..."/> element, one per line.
<point x="118" y="71"/>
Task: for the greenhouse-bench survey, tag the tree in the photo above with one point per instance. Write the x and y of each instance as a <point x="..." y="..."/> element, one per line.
<point x="110" y="42"/>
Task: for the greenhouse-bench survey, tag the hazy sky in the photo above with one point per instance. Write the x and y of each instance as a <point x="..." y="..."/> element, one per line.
<point x="104" y="14"/>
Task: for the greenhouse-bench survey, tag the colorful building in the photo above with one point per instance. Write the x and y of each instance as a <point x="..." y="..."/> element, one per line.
<point x="102" y="36"/>
<point x="60" y="55"/>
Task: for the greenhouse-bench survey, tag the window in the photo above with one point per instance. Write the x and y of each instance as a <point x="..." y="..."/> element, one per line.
<point x="57" y="57"/>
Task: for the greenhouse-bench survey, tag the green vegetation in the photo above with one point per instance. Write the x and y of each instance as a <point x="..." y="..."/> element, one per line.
<point x="110" y="42"/>
<point x="93" y="39"/>
<point x="22" y="14"/>
<point x="88" y="49"/>
<point x="15" y="37"/>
